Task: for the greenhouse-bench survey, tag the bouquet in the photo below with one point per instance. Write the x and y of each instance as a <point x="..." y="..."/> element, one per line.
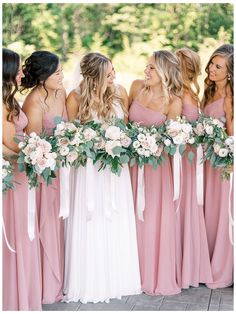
<point x="176" y="135"/>
<point x="112" y="148"/>
<point x="76" y="142"/>
<point x="146" y="147"/>
<point x="38" y="157"/>
<point x="221" y="154"/>
<point x="7" y="176"/>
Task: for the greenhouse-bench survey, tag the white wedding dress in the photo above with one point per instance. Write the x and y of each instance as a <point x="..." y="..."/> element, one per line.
<point x="101" y="256"/>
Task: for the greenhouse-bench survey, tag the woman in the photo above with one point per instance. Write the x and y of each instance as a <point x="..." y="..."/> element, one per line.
<point x="101" y="258"/>
<point x="218" y="88"/>
<point x="22" y="268"/>
<point x="46" y="100"/>
<point x="154" y="100"/>
<point x="193" y="259"/>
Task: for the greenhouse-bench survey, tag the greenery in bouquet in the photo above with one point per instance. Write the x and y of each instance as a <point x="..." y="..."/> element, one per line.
<point x="38" y="158"/>
<point x="112" y="149"/>
<point x="176" y="135"/>
<point x="7" y="175"/>
<point x="76" y="142"/>
<point x="147" y="146"/>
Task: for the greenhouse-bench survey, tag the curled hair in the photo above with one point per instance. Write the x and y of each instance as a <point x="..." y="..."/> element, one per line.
<point x="190" y="70"/>
<point x="94" y="70"/>
<point x="168" y="68"/>
<point x="10" y="64"/>
<point x="227" y="52"/>
<point x="37" y="69"/>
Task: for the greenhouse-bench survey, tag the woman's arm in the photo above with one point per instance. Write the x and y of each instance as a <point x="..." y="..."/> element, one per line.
<point x="228" y="109"/>
<point x="8" y="133"/>
<point x="72" y="105"/>
<point x="174" y="108"/>
<point x="34" y="113"/>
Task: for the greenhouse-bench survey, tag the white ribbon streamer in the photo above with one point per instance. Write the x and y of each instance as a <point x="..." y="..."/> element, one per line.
<point x="31" y="212"/>
<point x="5" y="237"/>
<point x="64" y="192"/>
<point x="199" y="175"/>
<point x="176" y="174"/>
<point x="140" y="193"/>
<point x="90" y="188"/>
<point x="231" y="221"/>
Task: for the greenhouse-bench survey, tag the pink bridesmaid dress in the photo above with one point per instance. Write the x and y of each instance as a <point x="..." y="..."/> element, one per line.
<point x="21" y="271"/>
<point x="191" y="240"/>
<point x="156" y="234"/>
<point x="218" y="203"/>
<point x="51" y="230"/>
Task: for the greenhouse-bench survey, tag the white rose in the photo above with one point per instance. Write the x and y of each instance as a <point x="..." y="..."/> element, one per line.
<point x="5" y="163"/>
<point x="72" y="156"/>
<point x="167" y="142"/>
<point x="70" y="126"/>
<point x="223" y="152"/>
<point x="33" y="135"/>
<point x="216" y="148"/>
<point x="4" y="173"/>
<point x="60" y="126"/>
<point x="153" y="148"/>
<point x="100" y="144"/>
<point x="141" y="137"/>
<point x="209" y="129"/>
<point x="113" y="132"/>
<point x="136" y="144"/>
<point x="110" y="145"/>
<point x="191" y="140"/>
<point x="41" y="165"/>
<point x="125" y="141"/>
<point x="229" y="141"/>
<point x="199" y="130"/>
<point x="218" y="123"/>
<point x="141" y="151"/>
<point x="151" y="140"/>
<point x="178" y="139"/>
<point x="89" y="134"/>
<point x="63" y="141"/>
<point x="64" y="150"/>
<point x="146" y="153"/>
<point x="187" y="128"/>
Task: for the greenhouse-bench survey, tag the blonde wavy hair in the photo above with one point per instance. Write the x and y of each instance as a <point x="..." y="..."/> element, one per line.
<point x="227" y="52"/>
<point x="168" y="68"/>
<point x="190" y="69"/>
<point x="94" y="70"/>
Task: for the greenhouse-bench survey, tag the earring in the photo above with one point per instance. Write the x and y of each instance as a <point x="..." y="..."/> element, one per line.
<point x="228" y="77"/>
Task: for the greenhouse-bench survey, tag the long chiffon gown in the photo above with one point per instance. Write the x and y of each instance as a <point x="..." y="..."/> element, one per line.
<point x="101" y="256"/>
<point x="156" y="234"/>
<point x="218" y="204"/>
<point x="193" y="255"/>
<point x="21" y="271"/>
<point x="51" y="229"/>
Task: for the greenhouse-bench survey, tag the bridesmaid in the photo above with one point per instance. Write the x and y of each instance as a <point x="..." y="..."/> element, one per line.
<point x="193" y="259"/>
<point x="21" y="269"/>
<point x="216" y="103"/>
<point x="153" y="100"/>
<point x="46" y="100"/>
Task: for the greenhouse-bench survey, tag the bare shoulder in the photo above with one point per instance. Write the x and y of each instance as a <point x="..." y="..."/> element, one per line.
<point x="73" y="96"/>
<point x="121" y="89"/>
<point x="137" y="85"/>
<point x="175" y="101"/>
<point x="32" y="102"/>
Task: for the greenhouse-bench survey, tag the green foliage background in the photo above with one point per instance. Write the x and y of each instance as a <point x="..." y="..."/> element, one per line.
<point x="127" y="33"/>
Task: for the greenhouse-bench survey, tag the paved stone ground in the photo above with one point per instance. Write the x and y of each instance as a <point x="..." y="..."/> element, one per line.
<point x="192" y="299"/>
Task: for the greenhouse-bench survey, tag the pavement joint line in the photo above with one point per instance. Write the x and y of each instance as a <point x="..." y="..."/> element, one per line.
<point x="209" y="302"/>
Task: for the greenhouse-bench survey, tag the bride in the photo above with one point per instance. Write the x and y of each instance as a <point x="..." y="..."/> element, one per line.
<point x="101" y="258"/>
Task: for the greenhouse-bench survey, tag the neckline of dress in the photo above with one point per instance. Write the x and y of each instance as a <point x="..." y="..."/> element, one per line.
<point x="146" y="108"/>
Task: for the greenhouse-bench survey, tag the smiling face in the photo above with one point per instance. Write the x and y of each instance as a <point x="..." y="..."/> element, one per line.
<point x="151" y="75"/>
<point x="19" y="75"/>
<point x="54" y="81"/>
<point x="110" y="74"/>
<point x="217" y="69"/>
